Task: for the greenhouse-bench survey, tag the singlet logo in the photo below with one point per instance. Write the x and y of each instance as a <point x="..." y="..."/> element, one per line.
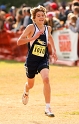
<point x="41" y="42"/>
<point x="39" y="50"/>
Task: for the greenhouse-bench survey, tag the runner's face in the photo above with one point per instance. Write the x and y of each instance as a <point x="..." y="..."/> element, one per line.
<point x="40" y="17"/>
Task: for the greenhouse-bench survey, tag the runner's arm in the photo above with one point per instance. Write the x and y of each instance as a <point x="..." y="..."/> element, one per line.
<point x="26" y="36"/>
<point x="50" y="38"/>
<point x="23" y="39"/>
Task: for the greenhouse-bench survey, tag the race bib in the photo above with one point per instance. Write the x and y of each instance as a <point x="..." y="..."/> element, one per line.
<point x="39" y="50"/>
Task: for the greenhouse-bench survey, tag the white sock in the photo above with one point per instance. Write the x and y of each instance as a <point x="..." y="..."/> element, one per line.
<point x="25" y="88"/>
<point x="47" y="105"/>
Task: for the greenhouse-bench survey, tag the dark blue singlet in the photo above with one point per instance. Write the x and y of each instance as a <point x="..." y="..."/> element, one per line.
<point x="38" y="57"/>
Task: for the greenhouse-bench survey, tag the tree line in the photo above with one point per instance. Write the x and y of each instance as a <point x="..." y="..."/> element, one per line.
<point x="18" y="3"/>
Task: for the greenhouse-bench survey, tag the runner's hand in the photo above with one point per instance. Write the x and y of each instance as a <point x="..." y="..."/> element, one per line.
<point x="53" y="56"/>
<point x="38" y="34"/>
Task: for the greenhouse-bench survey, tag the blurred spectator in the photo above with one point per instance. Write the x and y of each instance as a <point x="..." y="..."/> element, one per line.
<point x="68" y="20"/>
<point x="76" y="13"/>
<point x="62" y="16"/>
<point x="2" y="14"/>
<point x="27" y="16"/>
<point x="75" y="3"/>
<point x="63" y="3"/>
<point x="73" y="20"/>
<point x="68" y="9"/>
<point x="12" y="12"/>
<point x="54" y="9"/>
<point x="8" y="24"/>
<point x="46" y="5"/>
<point x="19" y="21"/>
<point x="53" y="6"/>
<point x="53" y="22"/>
<point x="3" y="8"/>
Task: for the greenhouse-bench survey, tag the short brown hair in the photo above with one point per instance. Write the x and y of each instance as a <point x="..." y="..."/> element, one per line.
<point x="37" y="9"/>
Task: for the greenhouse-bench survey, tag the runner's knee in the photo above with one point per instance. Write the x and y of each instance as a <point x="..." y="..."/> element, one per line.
<point x="46" y="80"/>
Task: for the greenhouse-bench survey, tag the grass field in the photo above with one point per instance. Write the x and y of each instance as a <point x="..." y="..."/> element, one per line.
<point x="64" y="96"/>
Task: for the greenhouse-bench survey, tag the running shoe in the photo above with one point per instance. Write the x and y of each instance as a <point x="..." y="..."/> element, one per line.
<point x="49" y="113"/>
<point x="25" y="98"/>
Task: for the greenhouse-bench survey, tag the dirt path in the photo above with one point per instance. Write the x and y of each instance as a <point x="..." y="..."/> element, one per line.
<point x="64" y="99"/>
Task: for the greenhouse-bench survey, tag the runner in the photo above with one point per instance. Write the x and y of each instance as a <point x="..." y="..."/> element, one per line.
<point x="38" y="35"/>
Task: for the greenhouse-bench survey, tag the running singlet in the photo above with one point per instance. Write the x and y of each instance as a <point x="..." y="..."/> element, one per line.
<point x="38" y="49"/>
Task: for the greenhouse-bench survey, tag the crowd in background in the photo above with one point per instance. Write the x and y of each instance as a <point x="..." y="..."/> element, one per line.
<point x="57" y="16"/>
<point x="14" y="20"/>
